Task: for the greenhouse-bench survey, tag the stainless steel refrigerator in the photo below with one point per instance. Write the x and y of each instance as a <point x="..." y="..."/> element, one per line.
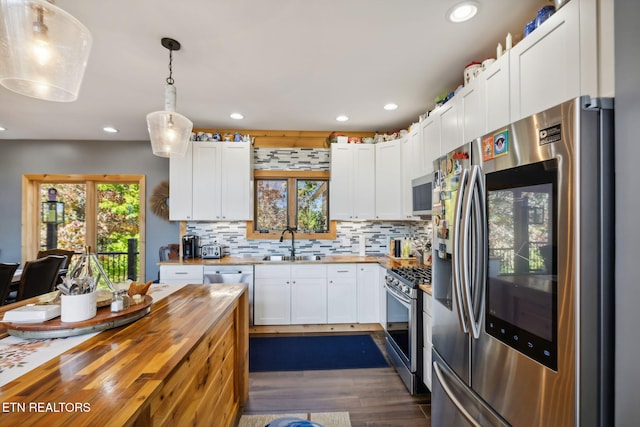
<point x="523" y="273"/>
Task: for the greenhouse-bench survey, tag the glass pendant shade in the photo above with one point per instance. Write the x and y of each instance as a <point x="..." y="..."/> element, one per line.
<point x="43" y="50"/>
<point x="169" y="131"/>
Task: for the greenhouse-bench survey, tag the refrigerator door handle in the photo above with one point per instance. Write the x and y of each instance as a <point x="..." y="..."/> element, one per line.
<point x="451" y="395"/>
<point x="456" y="257"/>
<point x="474" y="258"/>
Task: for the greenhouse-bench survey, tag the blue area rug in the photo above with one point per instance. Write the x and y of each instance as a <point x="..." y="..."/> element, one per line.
<point x="307" y="353"/>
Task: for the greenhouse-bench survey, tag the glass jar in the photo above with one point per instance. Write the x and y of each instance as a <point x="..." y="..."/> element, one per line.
<point x="120" y="301"/>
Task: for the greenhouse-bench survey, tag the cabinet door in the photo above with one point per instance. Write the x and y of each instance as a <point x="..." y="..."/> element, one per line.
<point x="181" y="186"/>
<point x="388" y="182"/>
<point x="472" y="111"/>
<point x="181" y="274"/>
<point x="272" y="295"/>
<point x="342" y="182"/>
<point x="411" y="161"/>
<point x="382" y="295"/>
<point x="308" y="294"/>
<point x="342" y="302"/>
<point x="236" y="189"/>
<point x="545" y="65"/>
<point x="497" y="98"/>
<point x="450" y="133"/>
<point x="430" y="141"/>
<point x="206" y="180"/>
<point x="363" y="196"/>
<point x="368" y="293"/>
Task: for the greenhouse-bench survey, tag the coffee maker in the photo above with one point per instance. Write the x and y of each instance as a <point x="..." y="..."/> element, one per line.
<point x="190" y="246"/>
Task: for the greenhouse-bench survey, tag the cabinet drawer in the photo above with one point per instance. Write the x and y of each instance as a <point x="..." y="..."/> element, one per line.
<point x="318" y="271"/>
<point x="426" y="303"/>
<point x="272" y="271"/>
<point x="336" y="271"/>
<point x="186" y="272"/>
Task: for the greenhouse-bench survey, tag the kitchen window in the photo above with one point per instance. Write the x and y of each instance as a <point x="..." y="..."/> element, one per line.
<point x="297" y="199"/>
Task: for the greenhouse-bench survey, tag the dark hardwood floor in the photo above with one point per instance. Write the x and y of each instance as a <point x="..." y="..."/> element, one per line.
<point x="373" y="397"/>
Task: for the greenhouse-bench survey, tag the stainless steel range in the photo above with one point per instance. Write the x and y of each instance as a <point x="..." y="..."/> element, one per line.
<point x="404" y="323"/>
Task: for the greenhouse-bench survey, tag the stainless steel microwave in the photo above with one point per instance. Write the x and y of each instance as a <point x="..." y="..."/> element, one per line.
<point x="422" y="195"/>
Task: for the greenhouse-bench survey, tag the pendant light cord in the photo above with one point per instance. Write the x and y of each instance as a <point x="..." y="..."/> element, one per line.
<point x="170" y="78"/>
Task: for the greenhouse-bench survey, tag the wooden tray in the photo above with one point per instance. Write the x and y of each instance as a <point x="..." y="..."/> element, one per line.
<point x="104" y="319"/>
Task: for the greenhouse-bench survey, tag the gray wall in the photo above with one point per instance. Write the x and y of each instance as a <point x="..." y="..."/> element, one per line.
<point x="627" y="66"/>
<point x="78" y="157"/>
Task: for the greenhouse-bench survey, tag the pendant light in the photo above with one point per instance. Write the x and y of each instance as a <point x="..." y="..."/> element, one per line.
<point x="43" y="50"/>
<point x="169" y="131"/>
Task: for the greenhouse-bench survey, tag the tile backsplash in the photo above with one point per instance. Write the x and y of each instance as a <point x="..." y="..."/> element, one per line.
<point x="232" y="235"/>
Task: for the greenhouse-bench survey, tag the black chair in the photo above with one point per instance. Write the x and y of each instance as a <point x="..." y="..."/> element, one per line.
<point x="6" y="277"/>
<point x="68" y="254"/>
<point x="39" y="276"/>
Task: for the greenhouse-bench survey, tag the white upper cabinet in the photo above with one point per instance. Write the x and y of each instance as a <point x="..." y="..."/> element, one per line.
<point x="388" y="183"/>
<point x="496" y="99"/>
<point x="207" y="163"/>
<point x="411" y="167"/>
<point x="211" y="182"/>
<point x="471" y="113"/>
<point x="236" y="193"/>
<point x="546" y="66"/>
<point x="352" y="190"/>
<point x="450" y="129"/>
<point x="181" y="186"/>
<point x="430" y="142"/>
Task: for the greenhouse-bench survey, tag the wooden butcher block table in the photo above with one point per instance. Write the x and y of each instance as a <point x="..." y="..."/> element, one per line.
<point x="184" y="363"/>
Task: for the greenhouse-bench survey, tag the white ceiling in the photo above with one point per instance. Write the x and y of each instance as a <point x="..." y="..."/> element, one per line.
<point x="284" y="64"/>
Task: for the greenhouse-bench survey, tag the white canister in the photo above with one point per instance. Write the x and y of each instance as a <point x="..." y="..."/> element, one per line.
<point x="76" y="308"/>
<point x="487" y="63"/>
<point x="471" y="71"/>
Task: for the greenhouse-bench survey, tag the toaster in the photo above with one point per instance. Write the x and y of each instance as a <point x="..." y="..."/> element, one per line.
<point x="211" y="251"/>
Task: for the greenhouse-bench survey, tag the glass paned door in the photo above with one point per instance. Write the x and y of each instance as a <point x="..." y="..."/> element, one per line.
<point x="66" y="231"/>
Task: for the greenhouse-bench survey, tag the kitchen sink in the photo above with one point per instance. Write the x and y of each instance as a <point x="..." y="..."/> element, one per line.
<point x="287" y="258"/>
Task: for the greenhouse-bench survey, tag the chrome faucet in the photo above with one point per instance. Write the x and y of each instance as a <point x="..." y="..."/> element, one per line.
<point x="293" y="239"/>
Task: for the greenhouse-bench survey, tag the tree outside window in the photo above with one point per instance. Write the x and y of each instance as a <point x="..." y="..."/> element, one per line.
<point x="306" y="208"/>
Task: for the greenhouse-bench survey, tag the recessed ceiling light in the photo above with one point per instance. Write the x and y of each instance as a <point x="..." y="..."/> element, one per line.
<point x="236" y="116"/>
<point x="342" y="118"/>
<point x="390" y="106"/>
<point x="110" y="129"/>
<point x="2" y="128"/>
<point x="462" y="11"/>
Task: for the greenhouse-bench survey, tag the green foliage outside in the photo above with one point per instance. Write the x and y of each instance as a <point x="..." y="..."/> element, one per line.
<point x="117" y="221"/>
<point x="312" y="202"/>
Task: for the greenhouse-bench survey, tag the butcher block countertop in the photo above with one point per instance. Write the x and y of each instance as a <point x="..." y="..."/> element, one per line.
<point x="182" y="364"/>
<point x="383" y="260"/>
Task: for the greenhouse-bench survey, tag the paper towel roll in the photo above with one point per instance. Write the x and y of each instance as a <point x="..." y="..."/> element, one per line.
<point x="363" y="245"/>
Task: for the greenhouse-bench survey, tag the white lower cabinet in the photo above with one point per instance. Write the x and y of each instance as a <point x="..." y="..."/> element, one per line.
<point x="181" y="274"/>
<point x="342" y="294"/>
<point x="308" y="294"/>
<point x="427" y="343"/>
<point x="367" y="278"/>
<point x="382" y="295"/>
<point x="290" y="294"/>
<point x="272" y="295"/>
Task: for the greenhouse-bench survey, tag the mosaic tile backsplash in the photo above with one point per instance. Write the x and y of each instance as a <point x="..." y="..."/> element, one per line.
<point x="232" y="235"/>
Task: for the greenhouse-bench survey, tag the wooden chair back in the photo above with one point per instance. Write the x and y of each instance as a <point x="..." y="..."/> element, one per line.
<point x="39" y="276"/>
<point x="7" y="270"/>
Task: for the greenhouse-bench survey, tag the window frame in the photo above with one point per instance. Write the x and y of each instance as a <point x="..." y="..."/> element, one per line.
<point x="291" y="176"/>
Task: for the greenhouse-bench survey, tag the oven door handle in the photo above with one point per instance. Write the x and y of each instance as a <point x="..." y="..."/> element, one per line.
<point x="456" y="255"/>
<point x="403" y="299"/>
